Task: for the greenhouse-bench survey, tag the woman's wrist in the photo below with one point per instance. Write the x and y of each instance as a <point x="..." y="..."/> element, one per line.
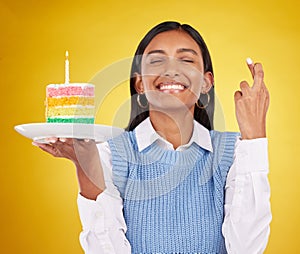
<point x="88" y="188"/>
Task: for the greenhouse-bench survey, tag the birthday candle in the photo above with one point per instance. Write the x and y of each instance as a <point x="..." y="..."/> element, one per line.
<point x="67" y="74"/>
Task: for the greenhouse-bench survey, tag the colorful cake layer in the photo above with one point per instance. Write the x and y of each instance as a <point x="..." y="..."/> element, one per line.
<point x="69" y="90"/>
<point x="70" y="120"/>
<point x="70" y="103"/>
<point x="70" y="111"/>
<point x="73" y="100"/>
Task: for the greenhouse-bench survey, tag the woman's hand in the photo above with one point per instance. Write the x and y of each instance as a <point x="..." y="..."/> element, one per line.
<point x="251" y="104"/>
<point x="84" y="154"/>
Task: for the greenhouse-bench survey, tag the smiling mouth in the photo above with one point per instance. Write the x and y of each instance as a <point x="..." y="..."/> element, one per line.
<point x="171" y="87"/>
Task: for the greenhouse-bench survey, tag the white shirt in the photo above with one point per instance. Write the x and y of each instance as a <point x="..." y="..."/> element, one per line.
<point x="247" y="197"/>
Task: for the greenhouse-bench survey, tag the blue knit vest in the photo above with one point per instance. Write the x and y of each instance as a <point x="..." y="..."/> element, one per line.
<point x="173" y="201"/>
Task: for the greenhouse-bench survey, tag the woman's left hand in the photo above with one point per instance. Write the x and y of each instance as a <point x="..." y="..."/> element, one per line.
<point x="251" y="105"/>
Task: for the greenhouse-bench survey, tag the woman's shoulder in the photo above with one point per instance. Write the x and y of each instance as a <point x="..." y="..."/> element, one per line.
<point x="225" y="138"/>
<point x="215" y="133"/>
<point x="223" y="144"/>
<point x="124" y="140"/>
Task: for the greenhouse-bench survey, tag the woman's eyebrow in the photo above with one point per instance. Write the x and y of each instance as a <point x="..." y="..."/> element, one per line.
<point x="181" y="50"/>
<point x="156" y="51"/>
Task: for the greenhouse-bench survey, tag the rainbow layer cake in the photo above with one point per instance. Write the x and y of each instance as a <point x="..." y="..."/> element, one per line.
<point x="70" y="103"/>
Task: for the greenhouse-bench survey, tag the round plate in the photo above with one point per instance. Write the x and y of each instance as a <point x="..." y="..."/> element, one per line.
<point x="38" y="132"/>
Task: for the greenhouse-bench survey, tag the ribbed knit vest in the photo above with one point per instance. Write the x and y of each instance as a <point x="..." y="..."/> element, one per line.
<point x="173" y="200"/>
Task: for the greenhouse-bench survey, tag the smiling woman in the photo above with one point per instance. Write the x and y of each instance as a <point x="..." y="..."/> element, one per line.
<point x="193" y="51"/>
<point x="172" y="64"/>
<point x="170" y="183"/>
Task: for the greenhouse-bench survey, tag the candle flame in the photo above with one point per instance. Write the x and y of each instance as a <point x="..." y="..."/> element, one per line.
<point x="67" y="54"/>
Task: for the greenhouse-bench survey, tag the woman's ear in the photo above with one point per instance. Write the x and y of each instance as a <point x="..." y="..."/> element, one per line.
<point x="139" y="87"/>
<point x="208" y="82"/>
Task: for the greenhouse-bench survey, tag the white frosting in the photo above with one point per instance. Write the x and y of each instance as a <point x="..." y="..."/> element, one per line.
<point x="71" y="84"/>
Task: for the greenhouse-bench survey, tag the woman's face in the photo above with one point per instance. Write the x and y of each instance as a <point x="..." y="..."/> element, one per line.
<point x="172" y="71"/>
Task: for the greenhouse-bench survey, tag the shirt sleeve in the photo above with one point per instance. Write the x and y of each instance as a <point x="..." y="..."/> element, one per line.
<point x="103" y="224"/>
<point x="246" y="225"/>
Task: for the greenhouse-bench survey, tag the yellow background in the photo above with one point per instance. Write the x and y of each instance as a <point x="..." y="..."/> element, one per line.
<point x="38" y="193"/>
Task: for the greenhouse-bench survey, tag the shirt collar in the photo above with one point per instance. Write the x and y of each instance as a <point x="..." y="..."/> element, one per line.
<point x="146" y="135"/>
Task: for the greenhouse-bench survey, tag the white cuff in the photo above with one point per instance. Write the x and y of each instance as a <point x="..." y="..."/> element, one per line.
<point x="91" y="213"/>
<point x="252" y="155"/>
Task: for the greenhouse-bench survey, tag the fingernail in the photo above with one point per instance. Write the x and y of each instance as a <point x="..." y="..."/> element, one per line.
<point x="86" y="140"/>
<point x="249" y="61"/>
<point x="62" y="140"/>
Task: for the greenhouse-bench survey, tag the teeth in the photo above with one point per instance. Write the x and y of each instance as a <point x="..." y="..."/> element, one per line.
<point x="171" y="87"/>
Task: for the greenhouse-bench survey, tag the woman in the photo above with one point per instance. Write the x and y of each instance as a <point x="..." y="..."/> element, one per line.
<point x="171" y="183"/>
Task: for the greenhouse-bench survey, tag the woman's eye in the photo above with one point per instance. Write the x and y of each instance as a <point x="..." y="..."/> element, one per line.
<point x="155" y="61"/>
<point x="187" y="60"/>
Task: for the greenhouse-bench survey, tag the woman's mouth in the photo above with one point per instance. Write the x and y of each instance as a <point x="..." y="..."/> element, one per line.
<point x="171" y="87"/>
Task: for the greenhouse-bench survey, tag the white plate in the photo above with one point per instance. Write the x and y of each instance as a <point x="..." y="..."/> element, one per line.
<point x="38" y="132"/>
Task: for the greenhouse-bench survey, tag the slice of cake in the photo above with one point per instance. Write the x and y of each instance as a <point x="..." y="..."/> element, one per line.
<point x="70" y="103"/>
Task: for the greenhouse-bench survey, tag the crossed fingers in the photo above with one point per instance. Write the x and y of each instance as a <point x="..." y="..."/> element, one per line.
<point x="257" y="74"/>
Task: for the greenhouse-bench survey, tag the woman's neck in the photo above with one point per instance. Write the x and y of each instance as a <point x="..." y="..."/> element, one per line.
<point x="175" y="128"/>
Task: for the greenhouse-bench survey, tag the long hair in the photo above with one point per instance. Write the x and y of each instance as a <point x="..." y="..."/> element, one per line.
<point x="138" y="114"/>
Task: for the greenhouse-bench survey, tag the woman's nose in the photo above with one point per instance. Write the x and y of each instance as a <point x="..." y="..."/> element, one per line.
<point x="171" y="68"/>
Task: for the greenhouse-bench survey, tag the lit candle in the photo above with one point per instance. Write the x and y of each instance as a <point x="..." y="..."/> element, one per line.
<point x="67" y="74"/>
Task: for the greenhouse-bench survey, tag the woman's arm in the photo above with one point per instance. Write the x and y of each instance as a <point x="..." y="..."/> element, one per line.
<point x="102" y="220"/>
<point x="246" y="225"/>
<point x="247" y="193"/>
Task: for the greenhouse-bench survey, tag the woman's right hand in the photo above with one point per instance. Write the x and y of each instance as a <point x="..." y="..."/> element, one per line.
<point x="84" y="154"/>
